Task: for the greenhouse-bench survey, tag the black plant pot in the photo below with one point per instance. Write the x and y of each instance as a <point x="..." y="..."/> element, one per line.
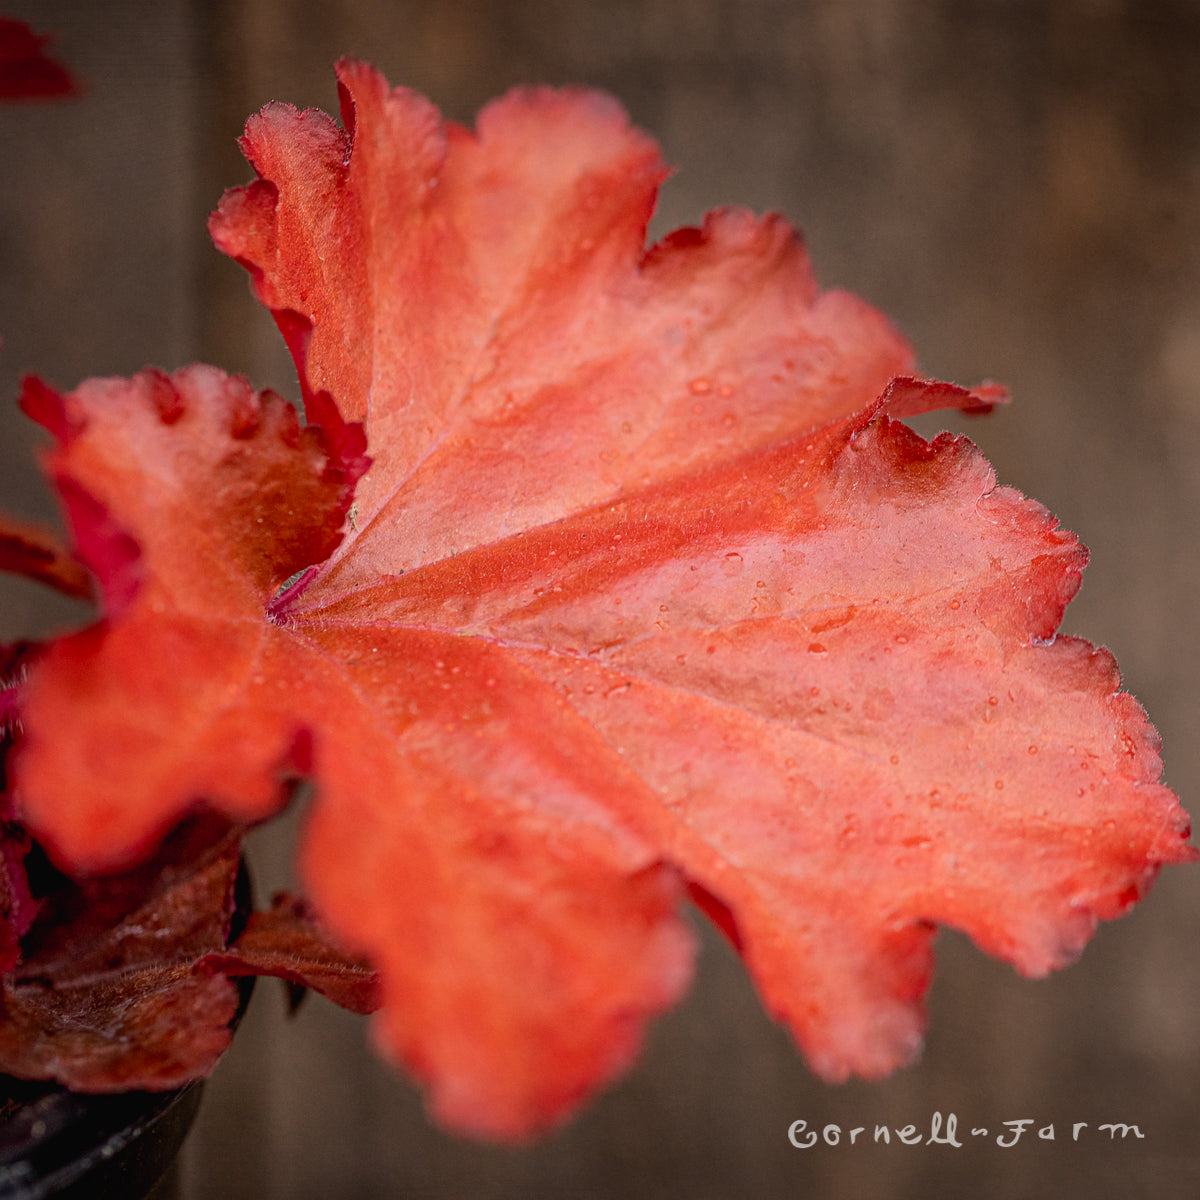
<point x="57" y="1143"/>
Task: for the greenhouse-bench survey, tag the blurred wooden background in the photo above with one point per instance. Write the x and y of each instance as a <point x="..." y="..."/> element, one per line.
<point x="1018" y="185"/>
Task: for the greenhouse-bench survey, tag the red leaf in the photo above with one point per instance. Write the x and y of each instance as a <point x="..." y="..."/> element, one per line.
<point x="486" y="304"/>
<point x="645" y="590"/>
<point x="202" y="460"/>
<point x="25" y="71"/>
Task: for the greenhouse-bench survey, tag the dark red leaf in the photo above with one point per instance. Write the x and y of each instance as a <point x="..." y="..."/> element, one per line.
<point x="26" y="73"/>
<point x="107" y="997"/>
<point x="290" y="943"/>
<point x="38" y="554"/>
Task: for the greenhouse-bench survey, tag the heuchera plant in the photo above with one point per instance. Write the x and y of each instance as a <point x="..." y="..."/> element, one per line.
<point x="599" y="577"/>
